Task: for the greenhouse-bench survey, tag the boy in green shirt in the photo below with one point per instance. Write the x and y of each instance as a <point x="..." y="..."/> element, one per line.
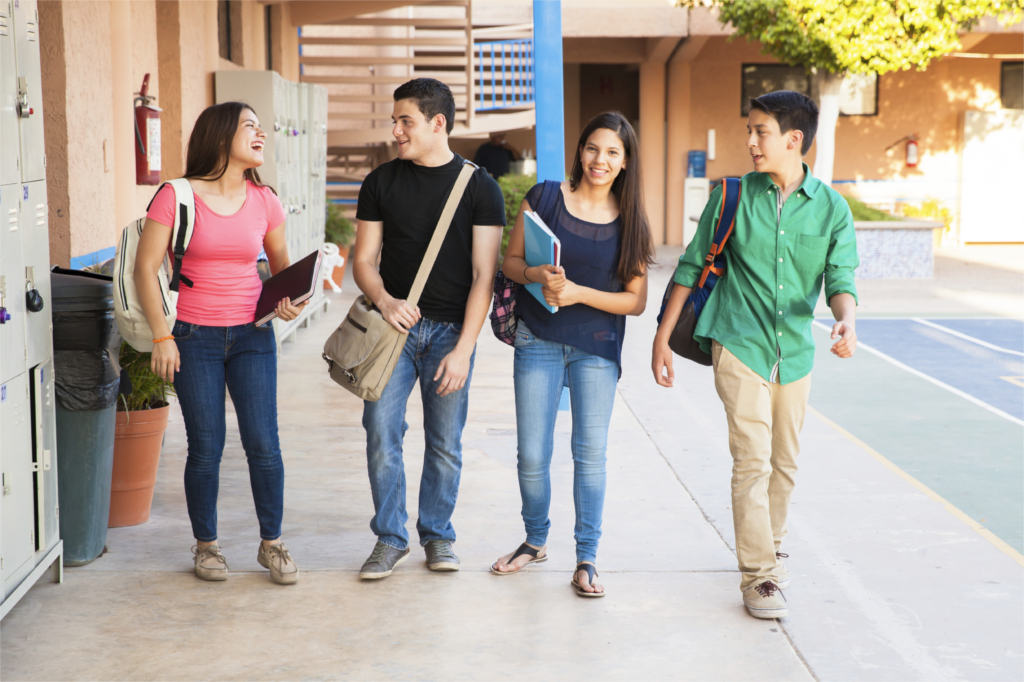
<point x="792" y="234"/>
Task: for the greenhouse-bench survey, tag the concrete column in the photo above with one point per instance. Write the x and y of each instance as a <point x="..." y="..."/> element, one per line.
<point x="168" y="31"/>
<point x="679" y="140"/>
<point x="123" y="141"/>
<point x="652" y="144"/>
<point x="678" y="145"/>
<point x="547" y="45"/>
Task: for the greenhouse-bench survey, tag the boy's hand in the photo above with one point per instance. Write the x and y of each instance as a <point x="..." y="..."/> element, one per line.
<point x="847" y="343"/>
<point x="399" y="313"/>
<point x="662" y="360"/>
<point x="453" y="371"/>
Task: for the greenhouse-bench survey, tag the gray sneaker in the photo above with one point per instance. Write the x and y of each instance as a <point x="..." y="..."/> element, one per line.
<point x="382" y="561"/>
<point x="210" y="563"/>
<point x="783" y="571"/>
<point x="440" y="556"/>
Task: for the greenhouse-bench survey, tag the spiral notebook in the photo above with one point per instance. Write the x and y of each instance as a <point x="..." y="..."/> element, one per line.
<point x="298" y="282"/>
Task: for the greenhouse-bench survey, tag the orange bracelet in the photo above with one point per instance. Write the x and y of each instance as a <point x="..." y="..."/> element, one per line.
<point x="166" y="338"/>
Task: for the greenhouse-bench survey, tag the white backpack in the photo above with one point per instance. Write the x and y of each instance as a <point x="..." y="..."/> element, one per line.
<point x="127" y="308"/>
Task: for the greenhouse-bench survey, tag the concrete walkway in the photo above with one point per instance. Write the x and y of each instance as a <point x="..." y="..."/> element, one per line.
<point x="887" y="583"/>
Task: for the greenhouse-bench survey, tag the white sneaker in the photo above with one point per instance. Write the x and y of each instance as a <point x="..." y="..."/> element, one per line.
<point x="765" y="600"/>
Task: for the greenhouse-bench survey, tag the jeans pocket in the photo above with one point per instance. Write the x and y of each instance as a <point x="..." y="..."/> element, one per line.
<point x="183" y="330"/>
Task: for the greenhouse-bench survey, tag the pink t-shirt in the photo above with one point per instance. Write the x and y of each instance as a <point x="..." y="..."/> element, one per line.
<point x="221" y="259"/>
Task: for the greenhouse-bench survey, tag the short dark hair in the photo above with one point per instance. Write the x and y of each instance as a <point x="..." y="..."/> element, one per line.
<point x="793" y="111"/>
<point x="432" y="97"/>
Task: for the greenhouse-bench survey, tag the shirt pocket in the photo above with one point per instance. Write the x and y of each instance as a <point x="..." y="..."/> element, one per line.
<point x="809" y="254"/>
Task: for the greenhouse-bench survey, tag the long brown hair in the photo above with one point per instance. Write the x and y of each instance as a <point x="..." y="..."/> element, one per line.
<point x="636" y="248"/>
<point x="209" y="145"/>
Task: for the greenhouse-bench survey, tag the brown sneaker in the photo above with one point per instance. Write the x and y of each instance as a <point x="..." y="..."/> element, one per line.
<point x="282" y="568"/>
<point x="765" y="600"/>
<point x="210" y="563"/>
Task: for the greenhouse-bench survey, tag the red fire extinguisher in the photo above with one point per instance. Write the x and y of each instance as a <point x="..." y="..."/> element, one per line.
<point x="147" y="137"/>
<point x="912" y="151"/>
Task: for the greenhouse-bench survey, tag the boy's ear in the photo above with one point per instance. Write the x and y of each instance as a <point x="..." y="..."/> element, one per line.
<point x="439" y="123"/>
<point x="796" y="139"/>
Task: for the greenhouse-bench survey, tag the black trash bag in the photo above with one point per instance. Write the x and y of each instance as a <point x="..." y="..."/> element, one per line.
<point x="86" y="367"/>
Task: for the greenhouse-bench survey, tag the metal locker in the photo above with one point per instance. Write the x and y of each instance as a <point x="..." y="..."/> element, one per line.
<point x="17" y="539"/>
<point x="36" y="254"/>
<point x="12" y="285"/>
<point x="44" y="454"/>
<point x="29" y="91"/>
<point x="10" y="162"/>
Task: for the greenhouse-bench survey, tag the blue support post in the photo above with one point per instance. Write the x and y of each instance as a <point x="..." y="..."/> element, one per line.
<point x="547" y="45"/>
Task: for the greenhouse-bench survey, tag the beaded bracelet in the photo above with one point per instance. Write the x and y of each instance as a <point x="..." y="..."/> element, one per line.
<point x="166" y="338"/>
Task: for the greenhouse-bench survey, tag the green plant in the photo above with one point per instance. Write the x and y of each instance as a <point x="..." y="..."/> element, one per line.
<point x="338" y="229"/>
<point x="862" y="211"/>
<point x="931" y="208"/>
<point x="514" y="186"/>
<point x="148" y="390"/>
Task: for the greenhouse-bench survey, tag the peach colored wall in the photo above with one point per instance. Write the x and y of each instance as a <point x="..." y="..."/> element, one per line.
<point x="90" y="126"/>
<point x="54" y="75"/>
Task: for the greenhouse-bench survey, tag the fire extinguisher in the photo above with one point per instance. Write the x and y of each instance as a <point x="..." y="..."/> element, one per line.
<point x="912" y="152"/>
<point x="147" y="137"/>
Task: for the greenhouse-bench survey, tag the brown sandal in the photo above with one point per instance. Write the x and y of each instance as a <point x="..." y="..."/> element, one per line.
<point x="524" y="549"/>
<point x="591" y="574"/>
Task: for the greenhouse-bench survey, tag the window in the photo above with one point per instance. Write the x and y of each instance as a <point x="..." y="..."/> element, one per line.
<point x="229" y="30"/>
<point x="1011" y="85"/>
<point x="760" y="79"/>
<point x="858" y="96"/>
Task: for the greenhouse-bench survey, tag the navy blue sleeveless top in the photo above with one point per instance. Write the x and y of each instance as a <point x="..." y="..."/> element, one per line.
<point x="590" y="256"/>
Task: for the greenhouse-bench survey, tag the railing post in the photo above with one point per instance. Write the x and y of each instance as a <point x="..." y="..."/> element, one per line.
<point x="470" y="103"/>
<point x="547" y="45"/>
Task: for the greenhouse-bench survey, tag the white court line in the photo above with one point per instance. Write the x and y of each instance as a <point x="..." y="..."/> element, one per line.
<point x="933" y="380"/>
<point x="966" y="337"/>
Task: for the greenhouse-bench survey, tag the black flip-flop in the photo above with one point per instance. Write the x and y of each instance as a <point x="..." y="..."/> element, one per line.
<point x="591" y="574"/>
<point x="524" y="549"/>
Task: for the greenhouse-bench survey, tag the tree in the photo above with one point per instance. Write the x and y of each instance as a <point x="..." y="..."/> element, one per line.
<point x="833" y="38"/>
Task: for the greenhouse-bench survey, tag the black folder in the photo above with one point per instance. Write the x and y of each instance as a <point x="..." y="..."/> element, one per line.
<point x="298" y="282"/>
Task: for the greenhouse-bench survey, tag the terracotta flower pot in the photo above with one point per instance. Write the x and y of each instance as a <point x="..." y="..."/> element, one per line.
<point x="339" y="273"/>
<point x="138" y="437"/>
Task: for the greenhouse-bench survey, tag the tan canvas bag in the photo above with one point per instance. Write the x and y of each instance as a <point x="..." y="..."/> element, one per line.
<point x="362" y="352"/>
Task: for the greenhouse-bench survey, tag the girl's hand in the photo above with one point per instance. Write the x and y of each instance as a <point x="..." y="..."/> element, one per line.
<point x="286" y="311"/>
<point x="165" y="360"/>
<point x="565" y="293"/>
<point x="549" y="276"/>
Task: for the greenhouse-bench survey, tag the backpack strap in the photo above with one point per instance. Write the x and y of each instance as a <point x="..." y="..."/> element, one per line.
<point x="184" y="226"/>
<point x="548" y="198"/>
<point x="715" y="260"/>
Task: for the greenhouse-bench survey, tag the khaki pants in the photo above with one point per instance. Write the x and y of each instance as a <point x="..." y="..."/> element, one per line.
<point x="764" y="438"/>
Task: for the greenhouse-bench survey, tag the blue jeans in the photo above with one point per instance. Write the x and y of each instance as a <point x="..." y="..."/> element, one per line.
<point x="542" y="368"/>
<point x="443" y="420"/>
<point x="245" y="359"/>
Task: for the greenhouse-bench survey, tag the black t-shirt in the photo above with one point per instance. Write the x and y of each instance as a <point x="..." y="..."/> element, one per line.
<point x="494" y="158"/>
<point x="409" y="199"/>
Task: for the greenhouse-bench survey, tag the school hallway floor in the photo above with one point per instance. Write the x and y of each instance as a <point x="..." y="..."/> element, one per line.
<point x="891" y="578"/>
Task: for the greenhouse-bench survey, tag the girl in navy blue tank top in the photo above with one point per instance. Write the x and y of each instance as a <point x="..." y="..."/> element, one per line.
<point x="598" y="216"/>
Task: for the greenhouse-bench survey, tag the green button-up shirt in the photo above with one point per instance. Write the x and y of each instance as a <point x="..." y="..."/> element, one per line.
<point x="776" y="260"/>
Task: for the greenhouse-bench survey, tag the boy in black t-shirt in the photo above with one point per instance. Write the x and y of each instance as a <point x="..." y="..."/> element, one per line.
<point x="399" y="204"/>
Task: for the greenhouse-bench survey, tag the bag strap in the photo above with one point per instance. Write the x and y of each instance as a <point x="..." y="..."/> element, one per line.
<point x="715" y="260"/>
<point x="443" y="223"/>
<point x="183" y="227"/>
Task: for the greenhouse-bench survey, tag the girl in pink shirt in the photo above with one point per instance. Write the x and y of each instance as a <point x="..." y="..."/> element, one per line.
<point x="214" y="343"/>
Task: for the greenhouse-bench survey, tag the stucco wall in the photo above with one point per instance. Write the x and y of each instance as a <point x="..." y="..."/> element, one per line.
<point x="145" y="59"/>
<point x="55" y="127"/>
<point x="89" y="129"/>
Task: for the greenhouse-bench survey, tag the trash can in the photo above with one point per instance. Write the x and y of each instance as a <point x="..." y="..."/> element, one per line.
<point x="86" y="346"/>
